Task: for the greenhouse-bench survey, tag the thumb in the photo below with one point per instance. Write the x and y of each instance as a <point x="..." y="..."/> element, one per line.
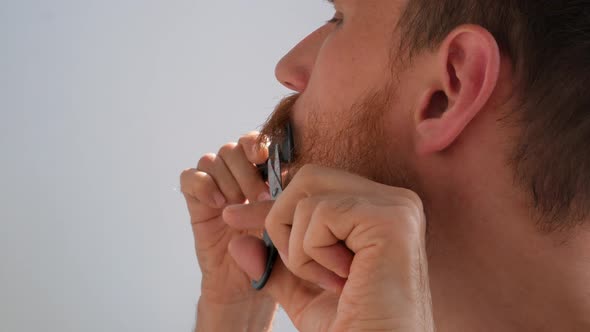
<point x="249" y="253"/>
<point x="295" y="295"/>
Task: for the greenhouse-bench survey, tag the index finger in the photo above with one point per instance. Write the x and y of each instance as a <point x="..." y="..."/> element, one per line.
<point x="313" y="180"/>
<point x="254" y="147"/>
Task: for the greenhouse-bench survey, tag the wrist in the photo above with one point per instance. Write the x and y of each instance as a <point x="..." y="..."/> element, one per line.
<point x="254" y="314"/>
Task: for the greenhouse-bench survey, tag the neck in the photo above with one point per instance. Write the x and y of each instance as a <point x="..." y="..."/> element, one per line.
<point x="493" y="270"/>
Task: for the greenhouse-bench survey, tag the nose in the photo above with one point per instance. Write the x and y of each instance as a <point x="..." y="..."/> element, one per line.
<point x="295" y="68"/>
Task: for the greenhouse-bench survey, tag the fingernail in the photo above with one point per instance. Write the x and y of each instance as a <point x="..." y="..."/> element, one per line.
<point x="219" y="199"/>
<point x="264" y="196"/>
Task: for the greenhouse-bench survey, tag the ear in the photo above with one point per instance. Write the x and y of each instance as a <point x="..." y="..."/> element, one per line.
<point x="467" y="67"/>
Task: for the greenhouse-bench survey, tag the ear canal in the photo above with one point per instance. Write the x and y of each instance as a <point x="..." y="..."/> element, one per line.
<point x="438" y="105"/>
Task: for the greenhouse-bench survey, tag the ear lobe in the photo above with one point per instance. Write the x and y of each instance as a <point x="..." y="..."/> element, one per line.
<point x="468" y="66"/>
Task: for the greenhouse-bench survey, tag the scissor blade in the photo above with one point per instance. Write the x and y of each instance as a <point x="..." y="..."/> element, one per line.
<point x="274" y="176"/>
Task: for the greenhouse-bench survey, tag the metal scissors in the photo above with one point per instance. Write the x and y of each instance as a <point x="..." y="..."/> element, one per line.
<point x="281" y="152"/>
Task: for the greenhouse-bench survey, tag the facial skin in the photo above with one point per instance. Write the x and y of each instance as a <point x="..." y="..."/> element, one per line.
<point x="490" y="267"/>
<point x="349" y="93"/>
<point x="347" y="144"/>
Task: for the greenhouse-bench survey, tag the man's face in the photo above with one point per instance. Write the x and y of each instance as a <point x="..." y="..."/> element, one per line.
<point x="348" y="112"/>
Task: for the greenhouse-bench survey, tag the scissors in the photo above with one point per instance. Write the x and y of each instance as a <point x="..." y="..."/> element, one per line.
<point x="281" y="152"/>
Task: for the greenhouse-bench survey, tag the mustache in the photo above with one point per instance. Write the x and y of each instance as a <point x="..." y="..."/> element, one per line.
<point x="274" y="128"/>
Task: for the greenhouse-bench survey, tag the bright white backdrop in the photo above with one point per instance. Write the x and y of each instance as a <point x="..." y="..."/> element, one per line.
<point x="102" y="104"/>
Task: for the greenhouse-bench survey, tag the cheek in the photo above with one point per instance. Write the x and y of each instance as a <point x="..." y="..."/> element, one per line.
<point x="347" y="67"/>
<point x="335" y="81"/>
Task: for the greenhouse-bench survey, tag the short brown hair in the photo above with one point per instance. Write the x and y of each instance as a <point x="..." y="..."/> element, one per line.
<point x="548" y="42"/>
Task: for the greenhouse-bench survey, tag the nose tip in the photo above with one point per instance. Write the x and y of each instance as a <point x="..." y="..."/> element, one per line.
<point x="292" y="77"/>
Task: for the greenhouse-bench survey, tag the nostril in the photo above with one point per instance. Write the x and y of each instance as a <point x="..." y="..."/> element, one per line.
<point x="292" y="77"/>
<point x="289" y="85"/>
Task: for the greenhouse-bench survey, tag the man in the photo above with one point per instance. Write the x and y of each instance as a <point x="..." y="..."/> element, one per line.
<point x="442" y="176"/>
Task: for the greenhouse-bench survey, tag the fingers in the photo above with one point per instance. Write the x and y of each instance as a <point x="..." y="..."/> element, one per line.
<point x="201" y="186"/>
<point x="228" y="177"/>
<point x="199" y="212"/>
<point x="316" y="222"/>
<point x="301" y="261"/>
<point x="255" y="150"/>
<point x="251" y="217"/>
<point x="333" y="229"/>
<point x="215" y="167"/>
<point x="325" y="260"/>
<point x="329" y="231"/>
<point x="244" y="173"/>
<point x="294" y="295"/>
<point x="249" y="252"/>
<point x="247" y="216"/>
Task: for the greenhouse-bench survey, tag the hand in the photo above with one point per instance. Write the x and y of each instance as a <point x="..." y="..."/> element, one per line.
<point x="230" y="177"/>
<point x="361" y="242"/>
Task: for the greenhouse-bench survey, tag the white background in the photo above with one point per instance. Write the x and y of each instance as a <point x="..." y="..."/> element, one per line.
<point x="102" y="104"/>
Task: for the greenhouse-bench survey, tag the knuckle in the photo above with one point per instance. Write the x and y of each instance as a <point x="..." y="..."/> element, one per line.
<point x="249" y="138"/>
<point x="413" y="199"/>
<point x="408" y="214"/>
<point x="227" y="148"/>
<point x="324" y="210"/>
<point x="235" y="195"/>
<point x="296" y="253"/>
<point x="186" y="174"/>
<point x="305" y="205"/>
<point x="307" y="246"/>
<point x="245" y="141"/>
<point x="193" y="182"/>
<point x="295" y="260"/>
<point x="410" y="200"/>
<point x="185" y="180"/>
<point x="206" y="161"/>
<point x="408" y="222"/>
<point x="269" y="222"/>
<point x="346" y="204"/>
<point x="203" y="182"/>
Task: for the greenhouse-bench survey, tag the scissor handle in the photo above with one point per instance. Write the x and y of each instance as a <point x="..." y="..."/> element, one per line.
<point x="270" y="261"/>
<point x="271" y="171"/>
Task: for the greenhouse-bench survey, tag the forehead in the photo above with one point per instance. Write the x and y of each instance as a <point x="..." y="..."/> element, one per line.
<point x="384" y="13"/>
<point x="397" y="3"/>
<point x="377" y="8"/>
